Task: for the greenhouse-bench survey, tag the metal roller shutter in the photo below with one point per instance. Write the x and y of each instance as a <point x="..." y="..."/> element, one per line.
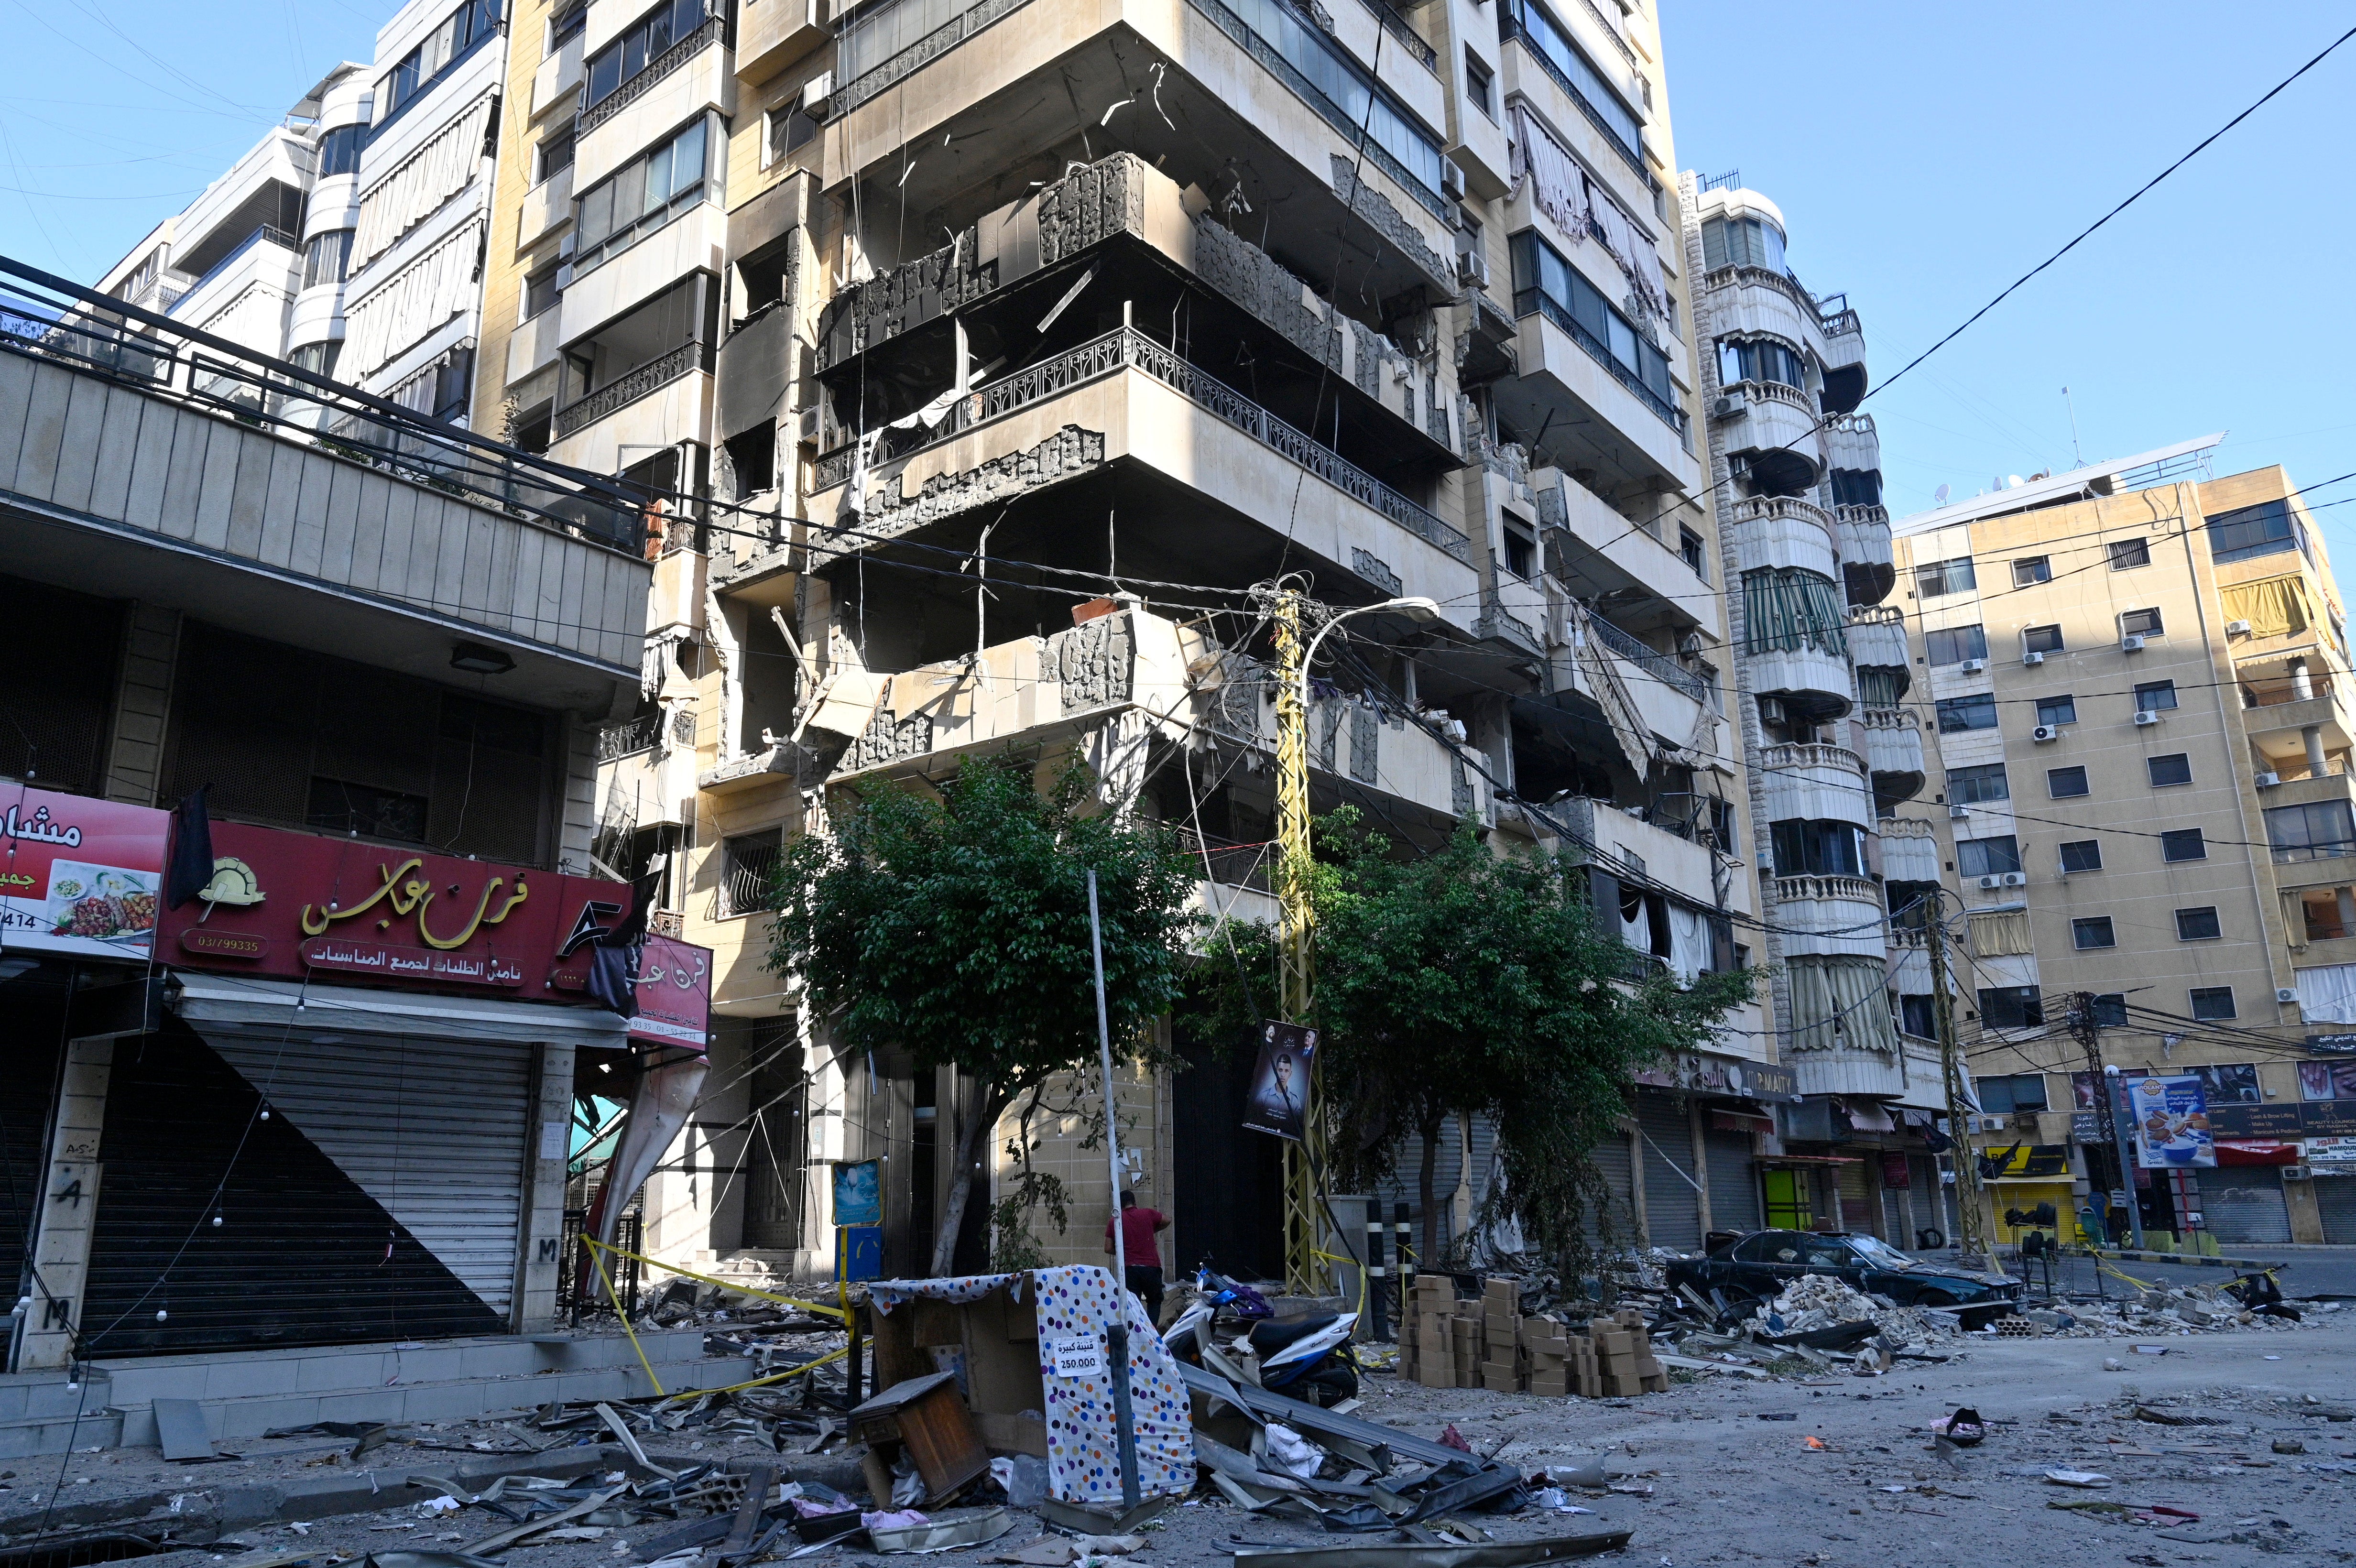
<point x="1611" y="1161"/>
<point x="1447" y="1167"/>
<point x="1930" y="1203"/>
<point x="1733" y="1182"/>
<point x="2242" y="1205"/>
<point x="1855" y="1197"/>
<point x="2335" y="1197"/>
<point x="35" y="1047"/>
<point x="1672" y="1201"/>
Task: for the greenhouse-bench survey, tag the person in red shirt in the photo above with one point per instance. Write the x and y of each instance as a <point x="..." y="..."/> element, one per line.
<point x="1138" y="1230"/>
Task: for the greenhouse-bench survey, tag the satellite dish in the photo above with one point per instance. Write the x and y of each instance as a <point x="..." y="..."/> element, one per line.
<point x="2012" y="481"/>
<point x="1939" y="497"/>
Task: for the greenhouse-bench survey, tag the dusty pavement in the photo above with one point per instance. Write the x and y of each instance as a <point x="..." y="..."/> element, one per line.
<point x="1726" y="1486"/>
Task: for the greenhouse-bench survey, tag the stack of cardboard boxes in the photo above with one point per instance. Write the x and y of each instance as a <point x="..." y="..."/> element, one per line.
<point x="1488" y="1343"/>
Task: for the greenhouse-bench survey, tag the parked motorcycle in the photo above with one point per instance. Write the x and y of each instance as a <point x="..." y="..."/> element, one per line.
<point x="1302" y="1358"/>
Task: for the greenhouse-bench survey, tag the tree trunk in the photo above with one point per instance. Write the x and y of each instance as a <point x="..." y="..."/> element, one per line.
<point x="972" y="1135"/>
<point x="1431" y="1125"/>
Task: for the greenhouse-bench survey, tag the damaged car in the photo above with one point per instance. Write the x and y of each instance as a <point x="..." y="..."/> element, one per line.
<point x="1757" y="1266"/>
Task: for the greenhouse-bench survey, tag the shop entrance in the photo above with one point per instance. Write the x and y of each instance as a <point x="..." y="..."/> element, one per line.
<point x="1788" y="1206"/>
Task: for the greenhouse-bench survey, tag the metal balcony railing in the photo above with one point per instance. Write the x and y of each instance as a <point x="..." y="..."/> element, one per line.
<point x="639" y="734"/>
<point x="1654" y="663"/>
<point x="1231" y="864"/>
<point x="648" y="379"/>
<point x="1396" y="24"/>
<point x="1508" y="29"/>
<point x="1125" y="348"/>
<point x="48" y="317"/>
<point x="1528" y="302"/>
<point x="713" y="31"/>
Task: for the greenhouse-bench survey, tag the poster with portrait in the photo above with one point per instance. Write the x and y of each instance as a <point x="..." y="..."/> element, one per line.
<point x="2171" y="1122"/>
<point x="1279" y="1104"/>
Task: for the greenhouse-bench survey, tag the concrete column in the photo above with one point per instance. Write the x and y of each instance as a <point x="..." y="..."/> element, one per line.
<point x="67" y="1212"/>
<point x="543" y="1218"/>
<point x="2317" y="763"/>
<point x="2347" y="900"/>
<point x="2301" y="686"/>
<point x="1698" y="1126"/>
<point x="2305" y="1217"/>
<point x="142" y="701"/>
<point x="1636" y="1203"/>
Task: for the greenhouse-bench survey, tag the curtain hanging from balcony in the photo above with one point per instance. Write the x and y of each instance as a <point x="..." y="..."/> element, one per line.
<point x="1583" y="209"/>
<point x="2275" y="607"/>
<point x="1603" y="683"/>
<point x="1840" y="1002"/>
<point x="417" y="189"/>
<point x="1787" y="608"/>
<point x="1689" y="943"/>
<point x="2003" y="934"/>
<point x="2327" y="994"/>
<point x="421" y="297"/>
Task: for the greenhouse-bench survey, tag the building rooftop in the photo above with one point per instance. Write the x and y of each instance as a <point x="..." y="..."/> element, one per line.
<point x="2152" y="467"/>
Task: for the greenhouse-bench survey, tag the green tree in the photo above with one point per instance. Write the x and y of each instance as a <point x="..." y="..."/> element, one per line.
<point x="1471" y="981"/>
<point x="955" y="924"/>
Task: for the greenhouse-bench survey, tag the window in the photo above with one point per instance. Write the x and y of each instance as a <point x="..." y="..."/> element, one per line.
<point x="569" y="23"/>
<point x="2040" y="639"/>
<point x="2184" y="844"/>
<point x="2264" y="529"/>
<point x="324" y="257"/>
<point x="1521" y="554"/>
<point x="2154" y="696"/>
<point x="2198" y="924"/>
<point x="319" y="359"/>
<point x="469" y="25"/>
<point x="2176" y="768"/>
<point x="1742" y="242"/>
<point x="2031" y="569"/>
<point x="540" y="295"/>
<point x="2141" y="623"/>
<point x="2320" y="830"/>
<point x="2212" y="1001"/>
<point x="1967" y="785"/>
<point x="1789" y="608"/>
<point x="1760" y="359"/>
<point x="1689" y="550"/>
<point x="2011" y="1091"/>
<point x="748" y="866"/>
<point x="627" y="55"/>
<point x="340" y="151"/>
<point x="1987" y="857"/>
<point x="2065" y="783"/>
<point x="1552" y="42"/>
<point x="1916" y="1017"/>
<point x="2012" y="1007"/>
<point x="2127" y="553"/>
<point x="2092" y="930"/>
<point x="1544" y="283"/>
<point x="2057" y="711"/>
<point x="641" y="197"/>
<point x="1945" y="577"/>
<point x="2082" y="855"/>
<point x="790" y="128"/>
<point x="2110" y="1011"/>
<point x="1819" y="849"/>
<point x="1304" y="47"/>
<point x="556" y="153"/>
<point x="1954" y="644"/>
<point x="335" y="806"/>
<point x="1478" y="80"/>
<point x="1976" y="713"/>
<point x="1856" y="487"/>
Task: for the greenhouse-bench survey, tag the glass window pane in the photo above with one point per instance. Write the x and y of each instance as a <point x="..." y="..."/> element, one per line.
<point x="596" y="215"/>
<point x="688" y="162"/>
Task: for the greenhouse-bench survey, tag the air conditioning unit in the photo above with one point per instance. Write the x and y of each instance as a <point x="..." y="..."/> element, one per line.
<point x="1472" y="269"/>
<point x="817" y="91"/>
<point x="2237" y="629"/>
<point x="809" y="432"/>
<point x="1974" y="666"/>
<point x="1452" y="180"/>
<point x="1959" y="812"/>
<point x="1770" y="710"/>
<point x="2267" y="780"/>
<point x="2014" y="879"/>
<point x="2132" y="643"/>
<point x="1990" y="884"/>
<point x="2032" y="658"/>
<point x="2285" y="994"/>
<point x="2045" y="732"/>
<point x="1733" y="405"/>
<point x="2146" y="716"/>
<point x="1993" y="1123"/>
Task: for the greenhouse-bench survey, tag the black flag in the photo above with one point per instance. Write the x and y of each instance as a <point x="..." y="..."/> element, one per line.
<point x="189" y="870"/>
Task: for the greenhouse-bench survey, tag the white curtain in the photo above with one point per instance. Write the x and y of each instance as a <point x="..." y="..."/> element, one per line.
<point x="1689" y="944"/>
<point x="1840" y="1002"/>
<point x="1556" y="182"/>
<point x="421" y="297"/>
<point x="417" y="189"/>
<point x="2327" y="994"/>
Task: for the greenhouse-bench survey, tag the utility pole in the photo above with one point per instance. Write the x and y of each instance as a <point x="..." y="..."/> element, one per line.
<point x="1969" y="1220"/>
<point x="1302" y="1162"/>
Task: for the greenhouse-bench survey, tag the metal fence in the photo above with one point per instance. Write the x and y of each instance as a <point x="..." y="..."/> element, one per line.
<point x="576" y="1271"/>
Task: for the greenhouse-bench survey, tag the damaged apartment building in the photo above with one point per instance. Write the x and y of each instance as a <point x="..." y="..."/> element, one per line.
<point x="976" y="360"/>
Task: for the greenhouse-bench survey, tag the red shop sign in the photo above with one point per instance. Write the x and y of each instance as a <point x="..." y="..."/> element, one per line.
<point x="300" y="905"/>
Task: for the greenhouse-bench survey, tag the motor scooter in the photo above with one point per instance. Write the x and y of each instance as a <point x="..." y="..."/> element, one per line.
<point x="1301" y="1358"/>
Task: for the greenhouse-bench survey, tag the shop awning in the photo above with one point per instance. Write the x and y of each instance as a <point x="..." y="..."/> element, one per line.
<point x="2254" y="1151"/>
<point x="274" y="1006"/>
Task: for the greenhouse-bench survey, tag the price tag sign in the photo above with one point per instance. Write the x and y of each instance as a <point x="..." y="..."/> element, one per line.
<point x="1082" y="1356"/>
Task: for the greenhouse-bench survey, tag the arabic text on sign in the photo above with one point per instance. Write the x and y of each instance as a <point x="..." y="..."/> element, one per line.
<point x="412" y="962"/>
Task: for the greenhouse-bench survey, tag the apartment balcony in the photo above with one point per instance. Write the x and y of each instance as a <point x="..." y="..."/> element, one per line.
<point x="1593" y="550"/>
<point x="546" y="208"/>
<point x="1842" y="345"/>
<point x="263" y="189"/>
<point x="1814" y="781"/>
<point x="1823" y="916"/>
<point x="773" y="34"/>
<point x="1851" y="442"/>
<point x="2280" y="712"/>
<point x="1750" y="299"/>
<point x="1782" y="532"/>
<point x="1606" y="147"/>
<point x="695" y="73"/>
<point x="1910" y="1077"/>
<point x="163" y="465"/>
<point x="1869" y="565"/>
<point x="1636" y="438"/>
<point x="1877" y="638"/>
<point x="1225" y="480"/>
<point x="1893" y="752"/>
<point x="220" y="302"/>
<point x="1771" y="429"/>
<point x="1909" y="849"/>
<point x="680" y="379"/>
<point x="558" y="79"/>
<point x="1669" y="852"/>
<point x="533" y="344"/>
<point x="1669" y="699"/>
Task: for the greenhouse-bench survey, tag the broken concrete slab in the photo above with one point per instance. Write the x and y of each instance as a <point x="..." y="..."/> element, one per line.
<point x="180" y="1430"/>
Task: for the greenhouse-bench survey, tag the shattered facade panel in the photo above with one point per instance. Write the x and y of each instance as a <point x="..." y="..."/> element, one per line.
<point x="1094" y="662"/>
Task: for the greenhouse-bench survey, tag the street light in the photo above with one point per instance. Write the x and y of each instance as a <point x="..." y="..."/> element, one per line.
<point x="1415" y="607"/>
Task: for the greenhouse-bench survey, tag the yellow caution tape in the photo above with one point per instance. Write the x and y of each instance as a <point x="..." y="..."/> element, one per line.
<point x="842" y="1312"/>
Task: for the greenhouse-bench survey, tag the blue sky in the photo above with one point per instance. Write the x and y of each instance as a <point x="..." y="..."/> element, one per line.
<point x="1926" y="157"/>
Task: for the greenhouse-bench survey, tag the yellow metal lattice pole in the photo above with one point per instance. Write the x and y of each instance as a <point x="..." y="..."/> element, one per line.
<point x="1303" y="1160"/>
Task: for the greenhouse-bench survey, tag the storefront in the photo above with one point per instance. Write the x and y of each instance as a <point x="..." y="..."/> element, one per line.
<point x="347" y="1119"/>
<point x="1851" y="1163"/>
<point x="1700" y="1121"/>
<point x="2331" y="1167"/>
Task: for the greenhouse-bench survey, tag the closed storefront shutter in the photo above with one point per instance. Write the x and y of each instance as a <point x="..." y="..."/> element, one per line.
<point x="2335" y="1195"/>
<point x="2242" y="1205"/>
<point x="1856" y="1196"/>
<point x="1611" y="1161"/>
<point x="1930" y="1203"/>
<point x="1672" y="1201"/>
<point x="307" y="1190"/>
<point x="1733" y="1183"/>
<point x="36" y="1007"/>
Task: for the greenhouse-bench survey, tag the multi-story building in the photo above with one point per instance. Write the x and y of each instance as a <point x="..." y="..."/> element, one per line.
<point x="2139" y="677"/>
<point x="1822" y="679"/>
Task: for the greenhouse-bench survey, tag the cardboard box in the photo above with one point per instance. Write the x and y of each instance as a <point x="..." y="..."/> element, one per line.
<point x="1436" y="1374"/>
<point x="1551" y="1387"/>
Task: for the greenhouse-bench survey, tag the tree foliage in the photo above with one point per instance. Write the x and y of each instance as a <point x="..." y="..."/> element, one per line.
<point x="1468" y="981"/>
<point x="954" y="924"/>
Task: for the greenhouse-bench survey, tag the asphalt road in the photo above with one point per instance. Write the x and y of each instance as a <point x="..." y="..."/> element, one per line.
<point x="2306" y="1271"/>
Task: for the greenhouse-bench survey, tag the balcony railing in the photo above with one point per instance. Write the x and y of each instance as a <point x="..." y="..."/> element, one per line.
<point x="648" y="379"/>
<point x="643" y="734"/>
<point x="1228" y="863"/>
<point x="1792" y="756"/>
<point x="714" y="30"/>
<point x="1529" y="302"/>
<point x="2274" y="690"/>
<point x="1657" y="664"/>
<point x="265" y="235"/>
<point x="1508" y="29"/>
<point x="1396" y="24"/>
<point x="1814" y="886"/>
<point x="921" y="53"/>
<point x="1125" y="348"/>
<point x="50" y="319"/>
